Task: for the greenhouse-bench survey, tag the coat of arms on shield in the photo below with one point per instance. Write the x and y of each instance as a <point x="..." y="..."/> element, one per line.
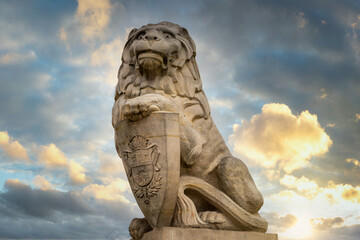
<point x="142" y="167"/>
<point x="150" y="150"/>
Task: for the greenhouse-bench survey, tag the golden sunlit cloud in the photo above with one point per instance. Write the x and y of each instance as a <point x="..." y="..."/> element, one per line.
<point x="354" y="161"/>
<point x="330" y="125"/>
<point x="351" y="194"/>
<point x="357" y="117"/>
<point x="13" y="148"/>
<point x="332" y="193"/>
<point x="42" y="183"/>
<point x="303" y="184"/>
<point x="324" y="95"/>
<point x="10" y="183"/>
<point x="277" y="137"/>
<point x="111" y="190"/>
<point x="325" y="224"/>
<point x="286" y="195"/>
<point x="52" y="156"/>
<point x="77" y="173"/>
<point x="94" y="16"/>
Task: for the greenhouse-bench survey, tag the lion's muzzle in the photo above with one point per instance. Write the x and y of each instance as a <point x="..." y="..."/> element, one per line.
<point x="151" y="60"/>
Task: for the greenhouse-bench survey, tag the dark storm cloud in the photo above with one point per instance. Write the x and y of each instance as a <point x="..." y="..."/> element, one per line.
<point x="34" y="213"/>
<point x="286" y="52"/>
<point x="39" y="203"/>
<point x="275" y="57"/>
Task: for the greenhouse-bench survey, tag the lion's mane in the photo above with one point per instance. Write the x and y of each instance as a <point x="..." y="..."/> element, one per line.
<point x="182" y="76"/>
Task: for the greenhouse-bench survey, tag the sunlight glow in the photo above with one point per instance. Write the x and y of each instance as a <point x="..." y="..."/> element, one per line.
<point x="300" y="230"/>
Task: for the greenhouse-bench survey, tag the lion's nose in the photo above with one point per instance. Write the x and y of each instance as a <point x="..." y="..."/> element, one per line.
<point x="152" y="36"/>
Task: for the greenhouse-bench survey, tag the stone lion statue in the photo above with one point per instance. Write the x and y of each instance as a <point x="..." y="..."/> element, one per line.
<point x="159" y="73"/>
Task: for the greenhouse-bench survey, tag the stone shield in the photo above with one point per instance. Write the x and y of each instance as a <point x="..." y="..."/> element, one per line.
<point x="150" y="150"/>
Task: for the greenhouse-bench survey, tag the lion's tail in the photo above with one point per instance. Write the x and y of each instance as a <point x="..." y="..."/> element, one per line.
<point x="186" y="214"/>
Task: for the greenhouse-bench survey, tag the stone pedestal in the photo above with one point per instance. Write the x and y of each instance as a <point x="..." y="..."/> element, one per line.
<point x="172" y="233"/>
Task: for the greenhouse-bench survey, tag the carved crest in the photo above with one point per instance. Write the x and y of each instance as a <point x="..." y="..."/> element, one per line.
<point x="142" y="168"/>
<point x="150" y="150"/>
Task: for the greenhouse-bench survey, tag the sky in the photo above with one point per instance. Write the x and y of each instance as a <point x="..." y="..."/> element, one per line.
<point x="282" y="79"/>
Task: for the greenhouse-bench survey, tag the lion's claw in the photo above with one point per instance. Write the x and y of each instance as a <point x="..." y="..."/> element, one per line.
<point x="138" y="108"/>
<point x="212" y="217"/>
<point x="138" y="227"/>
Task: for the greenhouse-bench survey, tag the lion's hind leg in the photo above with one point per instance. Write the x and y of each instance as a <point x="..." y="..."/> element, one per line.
<point x="238" y="184"/>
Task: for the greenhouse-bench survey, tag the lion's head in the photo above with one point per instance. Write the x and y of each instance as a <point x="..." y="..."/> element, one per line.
<point x="160" y="58"/>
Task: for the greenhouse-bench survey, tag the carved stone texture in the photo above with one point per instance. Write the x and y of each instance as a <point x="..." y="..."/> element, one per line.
<point x="150" y="150"/>
<point x="159" y="73"/>
<point x="171" y="233"/>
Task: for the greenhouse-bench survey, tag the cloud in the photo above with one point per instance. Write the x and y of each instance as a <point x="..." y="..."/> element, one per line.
<point x="325" y="224"/>
<point x="77" y="173"/>
<point x="301" y="20"/>
<point x="13" y="148"/>
<point x="94" y="16"/>
<point x="323" y="95"/>
<point x="43" y="214"/>
<point x="52" y="156"/>
<point x="107" y="58"/>
<point x="40" y="203"/>
<point x="354" y="39"/>
<point x="279" y="224"/>
<point x="15" y="57"/>
<point x="64" y="37"/>
<point x="351" y="194"/>
<point x="303" y="184"/>
<point x="276" y="136"/>
<point x="357" y="117"/>
<point x="354" y="161"/>
<point x="332" y="193"/>
<point x="42" y="183"/>
<point x="112" y="190"/>
<point x="110" y="164"/>
<point x="330" y="125"/>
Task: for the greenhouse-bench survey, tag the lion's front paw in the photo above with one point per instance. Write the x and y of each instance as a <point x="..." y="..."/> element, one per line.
<point x="212" y="217"/>
<point x="138" y="227"/>
<point x="135" y="109"/>
<point x="217" y="220"/>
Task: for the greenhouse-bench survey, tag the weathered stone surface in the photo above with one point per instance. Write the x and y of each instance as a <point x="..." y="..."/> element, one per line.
<point x="171" y="233"/>
<point x="150" y="150"/>
<point x="159" y="73"/>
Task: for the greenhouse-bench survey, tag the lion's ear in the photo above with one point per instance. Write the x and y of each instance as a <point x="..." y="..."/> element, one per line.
<point x="132" y="32"/>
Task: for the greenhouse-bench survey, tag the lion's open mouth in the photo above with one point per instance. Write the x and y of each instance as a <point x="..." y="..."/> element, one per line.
<point x="151" y="54"/>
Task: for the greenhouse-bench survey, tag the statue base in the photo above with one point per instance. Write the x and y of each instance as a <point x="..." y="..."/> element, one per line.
<point x="174" y="233"/>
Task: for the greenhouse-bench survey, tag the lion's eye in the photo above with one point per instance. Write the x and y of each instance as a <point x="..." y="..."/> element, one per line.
<point x="140" y="37"/>
<point x="168" y="35"/>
